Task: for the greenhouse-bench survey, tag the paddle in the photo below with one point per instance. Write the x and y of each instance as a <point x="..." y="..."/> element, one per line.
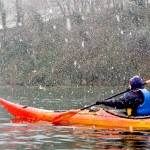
<point x="68" y="114"/>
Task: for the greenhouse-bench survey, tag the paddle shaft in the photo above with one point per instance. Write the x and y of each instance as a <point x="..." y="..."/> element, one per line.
<point x="105" y="99"/>
<point x="88" y="106"/>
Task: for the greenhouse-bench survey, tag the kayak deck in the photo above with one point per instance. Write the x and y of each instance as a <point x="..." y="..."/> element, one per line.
<point x="98" y="118"/>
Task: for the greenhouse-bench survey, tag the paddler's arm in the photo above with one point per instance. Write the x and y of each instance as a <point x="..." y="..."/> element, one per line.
<point x="124" y="102"/>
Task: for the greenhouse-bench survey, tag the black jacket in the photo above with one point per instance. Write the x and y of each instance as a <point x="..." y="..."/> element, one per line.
<point x="133" y="100"/>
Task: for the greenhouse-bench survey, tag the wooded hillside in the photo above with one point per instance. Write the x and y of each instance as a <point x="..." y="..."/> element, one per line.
<point x="91" y="42"/>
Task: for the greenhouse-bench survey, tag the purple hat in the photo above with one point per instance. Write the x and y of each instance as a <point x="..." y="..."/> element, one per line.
<point x="136" y="82"/>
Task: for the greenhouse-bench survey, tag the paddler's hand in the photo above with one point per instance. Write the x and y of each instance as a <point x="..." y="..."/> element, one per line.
<point x="147" y="82"/>
<point x="99" y="102"/>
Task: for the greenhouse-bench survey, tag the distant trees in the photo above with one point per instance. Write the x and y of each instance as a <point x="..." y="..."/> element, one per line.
<point x="92" y="42"/>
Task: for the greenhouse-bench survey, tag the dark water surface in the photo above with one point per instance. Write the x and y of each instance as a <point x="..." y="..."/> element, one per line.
<point x="16" y="134"/>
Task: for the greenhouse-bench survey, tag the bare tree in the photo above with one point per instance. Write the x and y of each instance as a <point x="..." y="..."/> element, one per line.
<point x="3" y="15"/>
<point x="19" y="13"/>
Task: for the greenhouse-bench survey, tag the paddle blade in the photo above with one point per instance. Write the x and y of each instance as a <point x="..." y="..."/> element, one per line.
<point x="64" y="116"/>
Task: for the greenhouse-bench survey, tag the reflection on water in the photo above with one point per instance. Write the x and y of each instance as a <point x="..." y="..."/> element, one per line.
<point x="19" y="134"/>
<point x="42" y="135"/>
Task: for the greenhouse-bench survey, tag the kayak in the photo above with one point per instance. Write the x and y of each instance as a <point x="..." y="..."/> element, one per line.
<point x="97" y="118"/>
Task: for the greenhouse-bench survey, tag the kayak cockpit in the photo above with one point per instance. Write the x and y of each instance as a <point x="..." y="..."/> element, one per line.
<point x="123" y="114"/>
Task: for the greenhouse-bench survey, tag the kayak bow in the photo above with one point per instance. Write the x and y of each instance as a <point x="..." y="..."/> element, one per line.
<point x="99" y="118"/>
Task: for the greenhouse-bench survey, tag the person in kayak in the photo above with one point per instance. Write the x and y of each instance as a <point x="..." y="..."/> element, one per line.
<point x="136" y="101"/>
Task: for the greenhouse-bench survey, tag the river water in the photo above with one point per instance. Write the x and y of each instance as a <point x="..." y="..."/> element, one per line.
<point x="20" y="135"/>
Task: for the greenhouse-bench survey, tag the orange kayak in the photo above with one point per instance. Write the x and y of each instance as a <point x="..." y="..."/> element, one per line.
<point x="98" y="118"/>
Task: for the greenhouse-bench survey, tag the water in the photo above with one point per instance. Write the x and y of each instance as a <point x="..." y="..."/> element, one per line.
<point x="19" y="134"/>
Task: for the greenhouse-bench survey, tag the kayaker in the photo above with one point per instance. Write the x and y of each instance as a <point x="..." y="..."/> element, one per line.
<point x="136" y="101"/>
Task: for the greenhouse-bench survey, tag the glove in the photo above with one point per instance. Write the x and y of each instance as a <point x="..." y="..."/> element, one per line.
<point x="99" y="102"/>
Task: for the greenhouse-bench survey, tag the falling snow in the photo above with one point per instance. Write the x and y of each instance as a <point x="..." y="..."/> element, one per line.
<point x="68" y="24"/>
